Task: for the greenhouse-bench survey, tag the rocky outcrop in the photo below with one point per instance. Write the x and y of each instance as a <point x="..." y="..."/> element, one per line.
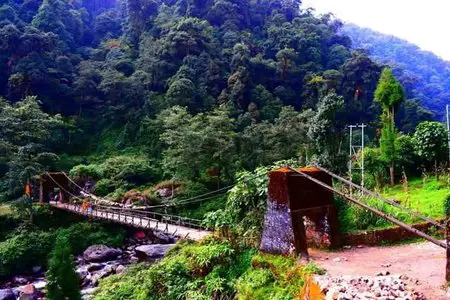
<point x="28" y="292"/>
<point x="100" y="253"/>
<point x="152" y="251"/>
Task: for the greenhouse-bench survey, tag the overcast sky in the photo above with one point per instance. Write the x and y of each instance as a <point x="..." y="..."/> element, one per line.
<point x="424" y="23"/>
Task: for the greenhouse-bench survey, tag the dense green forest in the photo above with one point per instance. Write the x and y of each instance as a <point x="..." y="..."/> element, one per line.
<point x="424" y="75"/>
<point x="133" y="92"/>
<point x="158" y="102"/>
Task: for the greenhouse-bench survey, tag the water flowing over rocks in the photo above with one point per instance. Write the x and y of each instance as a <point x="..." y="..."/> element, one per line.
<point x="7" y="294"/>
<point x="367" y="287"/>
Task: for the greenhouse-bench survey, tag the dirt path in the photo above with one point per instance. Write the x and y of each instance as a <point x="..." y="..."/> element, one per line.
<point x="422" y="261"/>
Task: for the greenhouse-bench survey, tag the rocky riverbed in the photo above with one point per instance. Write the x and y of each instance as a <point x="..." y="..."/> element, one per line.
<point x="96" y="262"/>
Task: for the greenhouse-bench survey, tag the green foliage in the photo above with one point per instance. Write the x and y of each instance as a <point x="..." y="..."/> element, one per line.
<point x="447" y="206"/>
<point x="387" y="141"/>
<point x="197" y="143"/>
<point x="24" y="128"/>
<point x="389" y="92"/>
<point x="374" y="165"/>
<point x="30" y="246"/>
<point x="245" y="208"/>
<point x="421" y="73"/>
<point x="24" y="250"/>
<point x="83" y="172"/>
<point x="322" y="132"/>
<point x="83" y="235"/>
<point x="274" y="277"/>
<point x="406" y="154"/>
<point x="428" y="199"/>
<point x="117" y="174"/>
<point x="210" y="269"/>
<point x="430" y="141"/>
<point x="61" y="276"/>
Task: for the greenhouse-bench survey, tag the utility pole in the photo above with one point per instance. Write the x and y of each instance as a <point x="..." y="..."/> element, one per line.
<point x="354" y="149"/>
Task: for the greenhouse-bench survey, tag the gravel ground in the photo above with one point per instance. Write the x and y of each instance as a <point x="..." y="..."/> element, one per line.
<point x="368" y="287"/>
<point x="422" y="263"/>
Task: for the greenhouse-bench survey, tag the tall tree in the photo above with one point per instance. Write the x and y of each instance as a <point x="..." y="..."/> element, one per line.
<point x="322" y="131"/>
<point x="61" y="276"/>
<point x="430" y="140"/>
<point x="24" y="130"/>
<point x="389" y="94"/>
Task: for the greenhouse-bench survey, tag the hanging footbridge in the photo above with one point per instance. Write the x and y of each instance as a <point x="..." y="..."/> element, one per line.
<point x="193" y="229"/>
<point x="146" y="220"/>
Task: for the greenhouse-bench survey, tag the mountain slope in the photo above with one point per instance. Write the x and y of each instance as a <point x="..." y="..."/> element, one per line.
<point x="424" y="75"/>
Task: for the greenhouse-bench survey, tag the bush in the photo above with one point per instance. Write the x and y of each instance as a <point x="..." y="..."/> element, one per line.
<point x="104" y="186"/>
<point x="83" y="235"/>
<point x="83" y="172"/>
<point x="447" y="206"/>
<point x="133" y="169"/>
<point x="61" y="276"/>
<point x="210" y="269"/>
<point x="23" y="251"/>
<point x="30" y="248"/>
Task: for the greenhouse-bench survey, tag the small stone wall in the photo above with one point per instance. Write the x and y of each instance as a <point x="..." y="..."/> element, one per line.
<point x="389" y="235"/>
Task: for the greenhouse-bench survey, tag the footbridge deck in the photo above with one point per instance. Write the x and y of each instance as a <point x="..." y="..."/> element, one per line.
<point x="175" y="225"/>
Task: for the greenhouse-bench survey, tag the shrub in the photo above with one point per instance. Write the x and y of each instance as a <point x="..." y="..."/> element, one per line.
<point x="134" y="169"/>
<point x="23" y="251"/>
<point x="61" y="276"/>
<point x="30" y="247"/>
<point x="358" y="218"/>
<point x="210" y="269"/>
<point x="104" y="186"/>
<point x="83" y="235"/>
<point x="83" y="172"/>
<point x="447" y="206"/>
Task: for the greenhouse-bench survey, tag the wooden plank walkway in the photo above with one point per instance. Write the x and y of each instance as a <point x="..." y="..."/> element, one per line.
<point x="160" y="222"/>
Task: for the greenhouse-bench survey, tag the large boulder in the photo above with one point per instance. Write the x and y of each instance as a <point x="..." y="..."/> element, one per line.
<point x="99" y="253"/>
<point x="152" y="251"/>
<point x="7" y="294"/>
<point x="28" y="292"/>
<point x="163" y="238"/>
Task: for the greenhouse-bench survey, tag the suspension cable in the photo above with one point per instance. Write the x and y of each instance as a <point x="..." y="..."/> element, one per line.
<point x="76" y="184"/>
<point x="194" y="199"/>
<point x="373" y="210"/>
<point x="381" y="198"/>
<point x="61" y="187"/>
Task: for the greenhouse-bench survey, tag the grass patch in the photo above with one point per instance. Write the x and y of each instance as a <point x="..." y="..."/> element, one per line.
<point x="426" y="198"/>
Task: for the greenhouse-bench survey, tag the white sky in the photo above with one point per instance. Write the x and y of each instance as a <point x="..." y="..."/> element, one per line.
<point x="424" y="23"/>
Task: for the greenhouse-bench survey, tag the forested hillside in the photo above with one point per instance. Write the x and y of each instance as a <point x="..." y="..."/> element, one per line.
<point x="192" y="90"/>
<point x="424" y="75"/>
<point x="178" y="111"/>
